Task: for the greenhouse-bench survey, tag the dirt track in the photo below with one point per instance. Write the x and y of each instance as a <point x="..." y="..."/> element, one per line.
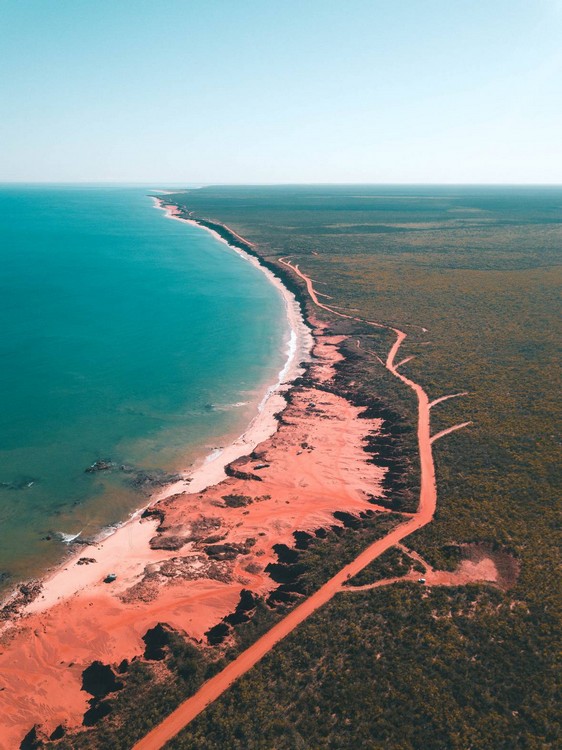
<point x="214" y="687"/>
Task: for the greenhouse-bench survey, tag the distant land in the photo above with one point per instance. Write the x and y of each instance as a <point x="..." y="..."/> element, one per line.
<point x="379" y="568"/>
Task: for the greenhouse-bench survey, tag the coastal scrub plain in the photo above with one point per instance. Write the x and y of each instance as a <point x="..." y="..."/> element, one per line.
<point x="398" y="531"/>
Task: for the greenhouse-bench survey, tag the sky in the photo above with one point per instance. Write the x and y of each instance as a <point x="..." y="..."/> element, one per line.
<point x="257" y="91"/>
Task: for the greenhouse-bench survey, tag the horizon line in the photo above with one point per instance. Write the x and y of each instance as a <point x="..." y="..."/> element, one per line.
<point x="195" y="185"/>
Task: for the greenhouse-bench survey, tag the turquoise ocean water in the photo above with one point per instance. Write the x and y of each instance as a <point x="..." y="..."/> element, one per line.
<point x="125" y="336"/>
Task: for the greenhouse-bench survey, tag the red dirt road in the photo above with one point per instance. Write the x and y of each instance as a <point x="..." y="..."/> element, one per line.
<point x="214" y="687"/>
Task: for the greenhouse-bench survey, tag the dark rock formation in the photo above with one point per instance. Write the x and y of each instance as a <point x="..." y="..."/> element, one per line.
<point x="349" y="521"/>
<point x="236" y="501"/>
<point x="30" y="591"/>
<point x="97" y="711"/>
<point x="99" y="680"/>
<point x="213" y="539"/>
<point x="86" y="561"/>
<point x="169" y="542"/>
<point x="302" y="539"/>
<point x="58" y="732"/>
<point x="100" y="465"/>
<point x="217" y="633"/>
<point x="244" y="608"/>
<point x="154" y="513"/>
<point x="26" y="593"/>
<point x="34" y="739"/>
<point x="157" y="639"/>
<point x="282" y="573"/>
<point x="179" y="535"/>
<point x="285" y="554"/>
<point x="227" y="551"/>
<point x="235" y="469"/>
<point x="123" y="667"/>
<point x="148" y="480"/>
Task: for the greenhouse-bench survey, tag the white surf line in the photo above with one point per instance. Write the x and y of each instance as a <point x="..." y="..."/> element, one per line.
<point x="448" y="430"/>
<point x="209" y="469"/>
<point x="445" y="398"/>
<point x="300" y="341"/>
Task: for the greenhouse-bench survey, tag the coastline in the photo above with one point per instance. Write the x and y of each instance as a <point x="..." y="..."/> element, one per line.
<point x="210" y="468"/>
<point x="188" y="561"/>
<point x="130" y="537"/>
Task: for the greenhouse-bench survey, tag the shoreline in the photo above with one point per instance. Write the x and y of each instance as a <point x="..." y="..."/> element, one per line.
<point x="188" y="561"/>
<point x="299" y="348"/>
<point x="67" y="578"/>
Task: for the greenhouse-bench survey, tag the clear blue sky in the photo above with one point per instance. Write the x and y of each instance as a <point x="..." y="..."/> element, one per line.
<point x="199" y="91"/>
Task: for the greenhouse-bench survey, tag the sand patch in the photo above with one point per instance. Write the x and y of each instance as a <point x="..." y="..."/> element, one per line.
<point x="314" y="465"/>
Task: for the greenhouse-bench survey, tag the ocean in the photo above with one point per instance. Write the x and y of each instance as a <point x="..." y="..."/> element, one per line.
<point x="127" y="338"/>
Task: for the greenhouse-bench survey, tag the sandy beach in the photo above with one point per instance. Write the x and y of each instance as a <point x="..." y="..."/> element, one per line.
<point x="190" y="572"/>
<point x="127" y="539"/>
<point x="77" y="618"/>
<point x="186" y="560"/>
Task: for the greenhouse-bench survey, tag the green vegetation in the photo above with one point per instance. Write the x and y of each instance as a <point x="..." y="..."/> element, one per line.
<point x="409" y="667"/>
<point x="390" y="564"/>
<point x="152" y="690"/>
<point x="479" y="268"/>
<point x="176" y="668"/>
<point x="392" y="669"/>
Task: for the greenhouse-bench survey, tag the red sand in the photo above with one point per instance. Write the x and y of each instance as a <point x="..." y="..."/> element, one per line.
<point x="213" y="688"/>
<point x="479" y="564"/>
<point x="313" y="465"/>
